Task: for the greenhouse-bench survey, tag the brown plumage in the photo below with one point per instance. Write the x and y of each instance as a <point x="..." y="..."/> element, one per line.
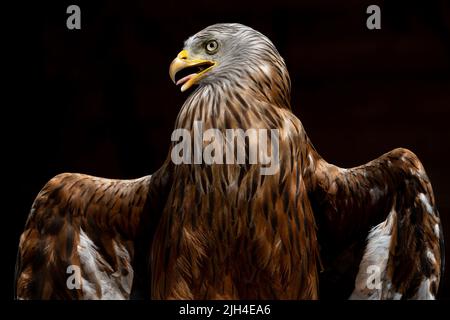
<point x="224" y="231"/>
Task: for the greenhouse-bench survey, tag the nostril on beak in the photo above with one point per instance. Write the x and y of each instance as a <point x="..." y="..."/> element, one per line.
<point x="183" y="55"/>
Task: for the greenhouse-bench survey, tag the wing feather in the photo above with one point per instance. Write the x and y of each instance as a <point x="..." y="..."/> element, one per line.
<point x="379" y="217"/>
<point x="82" y="234"/>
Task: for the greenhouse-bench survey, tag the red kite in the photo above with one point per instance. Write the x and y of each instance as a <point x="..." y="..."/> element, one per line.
<point x="225" y="231"/>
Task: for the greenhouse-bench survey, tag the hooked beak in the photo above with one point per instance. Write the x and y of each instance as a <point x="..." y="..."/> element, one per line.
<point x="191" y="71"/>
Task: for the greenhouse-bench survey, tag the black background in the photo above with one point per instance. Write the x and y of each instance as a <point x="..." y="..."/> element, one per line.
<point x="99" y="100"/>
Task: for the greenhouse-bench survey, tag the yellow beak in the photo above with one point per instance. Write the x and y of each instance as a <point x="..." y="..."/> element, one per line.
<point x="182" y="62"/>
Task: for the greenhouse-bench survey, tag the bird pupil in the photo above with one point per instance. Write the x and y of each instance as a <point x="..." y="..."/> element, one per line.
<point x="211" y="45"/>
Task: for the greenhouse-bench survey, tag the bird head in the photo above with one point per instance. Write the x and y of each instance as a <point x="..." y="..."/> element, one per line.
<point x="228" y="52"/>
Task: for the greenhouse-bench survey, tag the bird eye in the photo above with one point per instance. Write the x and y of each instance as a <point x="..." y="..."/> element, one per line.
<point x="211" y="46"/>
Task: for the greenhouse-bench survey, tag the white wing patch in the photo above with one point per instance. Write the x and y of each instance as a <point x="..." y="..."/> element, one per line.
<point x="376" y="257"/>
<point x="437" y="231"/>
<point x="99" y="280"/>
<point x="431" y="256"/>
<point x="426" y="203"/>
<point x="424" y="292"/>
<point x="377" y="254"/>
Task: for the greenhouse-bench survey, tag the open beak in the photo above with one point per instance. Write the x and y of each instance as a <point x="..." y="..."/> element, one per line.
<point x="188" y="72"/>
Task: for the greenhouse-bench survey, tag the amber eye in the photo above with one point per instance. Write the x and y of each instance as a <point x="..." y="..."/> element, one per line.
<point x="211" y="46"/>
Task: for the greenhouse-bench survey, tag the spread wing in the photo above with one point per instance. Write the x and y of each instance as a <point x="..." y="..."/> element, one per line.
<point x="378" y="228"/>
<point x="89" y="237"/>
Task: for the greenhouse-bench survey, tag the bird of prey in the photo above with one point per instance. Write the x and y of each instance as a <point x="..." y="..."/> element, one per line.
<point x="225" y="231"/>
